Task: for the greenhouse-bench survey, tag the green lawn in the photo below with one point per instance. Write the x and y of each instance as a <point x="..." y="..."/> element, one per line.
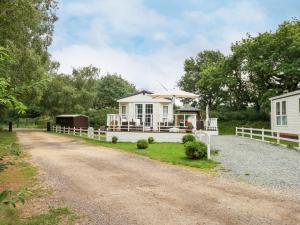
<point x="166" y="152"/>
<point x="228" y="127"/>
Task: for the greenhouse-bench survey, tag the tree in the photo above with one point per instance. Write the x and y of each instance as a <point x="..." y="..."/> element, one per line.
<point x="110" y="88"/>
<point x="8" y="99"/>
<point x="258" y="68"/>
<point x="203" y="76"/>
<point x="26" y="28"/>
<point x="270" y="61"/>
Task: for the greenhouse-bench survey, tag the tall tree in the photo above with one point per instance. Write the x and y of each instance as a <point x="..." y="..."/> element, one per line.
<point x="203" y="76"/>
<point x="26" y="28"/>
<point x="8" y="99"/>
<point x="110" y="88"/>
<point x="271" y="61"/>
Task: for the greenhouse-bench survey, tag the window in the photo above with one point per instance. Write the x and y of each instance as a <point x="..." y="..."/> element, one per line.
<point x="283" y="113"/>
<point x="124" y="113"/>
<point x="165" y="111"/>
<point x="148" y="115"/>
<point x="278" y="117"/>
<point x="139" y="111"/>
<point x="281" y="116"/>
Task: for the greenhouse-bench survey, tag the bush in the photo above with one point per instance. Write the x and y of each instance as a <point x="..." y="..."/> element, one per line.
<point x="150" y="140"/>
<point x="114" y="139"/>
<point x="195" y="150"/>
<point x="142" y="144"/>
<point x="242" y="115"/>
<point x="188" y="137"/>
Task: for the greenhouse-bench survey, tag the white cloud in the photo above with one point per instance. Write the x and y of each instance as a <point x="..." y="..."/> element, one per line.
<point x="110" y="18"/>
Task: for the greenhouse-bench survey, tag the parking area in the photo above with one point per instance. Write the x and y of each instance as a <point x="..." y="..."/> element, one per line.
<point x="258" y="163"/>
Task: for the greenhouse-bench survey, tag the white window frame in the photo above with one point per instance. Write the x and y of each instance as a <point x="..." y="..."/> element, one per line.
<point x="165" y="112"/>
<point x="281" y="115"/>
<point x="124" y="115"/>
<point x="136" y="114"/>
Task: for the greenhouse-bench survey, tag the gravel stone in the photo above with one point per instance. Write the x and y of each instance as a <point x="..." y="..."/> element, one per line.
<point x="258" y="163"/>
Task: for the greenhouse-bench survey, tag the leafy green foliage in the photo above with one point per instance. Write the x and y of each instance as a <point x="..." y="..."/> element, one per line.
<point x="114" y="139"/>
<point x="203" y="76"/>
<point x="258" y="68"/>
<point x="9" y="198"/>
<point x="85" y="92"/>
<point x="97" y="117"/>
<point x="26" y="29"/>
<point x="188" y="137"/>
<point x="8" y="99"/>
<point x="150" y="140"/>
<point x="195" y="150"/>
<point x="112" y="87"/>
<point x="142" y="144"/>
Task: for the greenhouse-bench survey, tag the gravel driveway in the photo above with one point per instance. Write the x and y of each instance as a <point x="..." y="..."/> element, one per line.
<point x="114" y="187"/>
<point x="259" y="163"/>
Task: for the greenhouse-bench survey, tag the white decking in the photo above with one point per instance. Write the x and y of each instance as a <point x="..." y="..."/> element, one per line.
<point x="177" y="123"/>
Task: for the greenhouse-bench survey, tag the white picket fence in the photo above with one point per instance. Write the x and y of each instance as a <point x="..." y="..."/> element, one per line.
<point x="82" y="132"/>
<point x="266" y="135"/>
<point x="101" y="135"/>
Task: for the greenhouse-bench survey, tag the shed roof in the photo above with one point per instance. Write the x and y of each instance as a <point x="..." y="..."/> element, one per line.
<point x="286" y="95"/>
<point x="71" y="115"/>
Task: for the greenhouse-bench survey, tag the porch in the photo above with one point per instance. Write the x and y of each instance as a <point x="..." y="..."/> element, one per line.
<point x="176" y="123"/>
<point x="152" y="122"/>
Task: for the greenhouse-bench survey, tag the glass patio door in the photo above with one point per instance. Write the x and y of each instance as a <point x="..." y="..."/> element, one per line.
<point x="139" y="112"/>
<point x="148" y="115"/>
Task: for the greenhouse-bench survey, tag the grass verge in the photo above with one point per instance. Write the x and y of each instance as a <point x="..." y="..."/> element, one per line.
<point x="17" y="174"/>
<point x="228" y="127"/>
<point x="165" y="152"/>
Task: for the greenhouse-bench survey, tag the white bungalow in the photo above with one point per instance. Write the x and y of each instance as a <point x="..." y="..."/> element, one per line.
<point x="141" y="113"/>
<point x="285" y="112"/>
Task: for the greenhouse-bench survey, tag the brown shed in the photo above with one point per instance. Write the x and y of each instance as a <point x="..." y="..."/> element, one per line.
<point x="75" y="120"/>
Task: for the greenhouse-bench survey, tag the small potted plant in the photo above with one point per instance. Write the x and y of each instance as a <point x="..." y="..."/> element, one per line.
<point x="189" y="128"/>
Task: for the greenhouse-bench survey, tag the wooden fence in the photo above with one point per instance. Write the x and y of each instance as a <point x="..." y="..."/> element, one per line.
<point x="271" y="136"/>
<point x="90" y="132"/>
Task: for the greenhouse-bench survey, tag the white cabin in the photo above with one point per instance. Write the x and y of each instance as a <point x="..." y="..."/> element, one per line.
<point x="285" y="112"/>
<point x="142" y="112"/>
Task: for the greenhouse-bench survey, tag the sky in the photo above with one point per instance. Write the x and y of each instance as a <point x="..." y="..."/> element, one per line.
<point x="147" y="41"/>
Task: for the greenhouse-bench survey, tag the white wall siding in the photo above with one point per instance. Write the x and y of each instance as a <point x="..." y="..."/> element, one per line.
<point x="134" y="136"/>
<point x="293" y="114"/>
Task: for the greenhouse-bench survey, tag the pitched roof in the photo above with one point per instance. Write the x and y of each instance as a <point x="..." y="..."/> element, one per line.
<point x="297" y="92"/>
<point x="137" y="93"/>
<point x="143" y="96"/>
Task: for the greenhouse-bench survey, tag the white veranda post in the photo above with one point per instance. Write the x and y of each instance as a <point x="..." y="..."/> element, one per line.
<point x="207" y="112"/>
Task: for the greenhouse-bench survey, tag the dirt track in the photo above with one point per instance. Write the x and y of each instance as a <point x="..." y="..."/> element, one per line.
<point x="114" y="187"/>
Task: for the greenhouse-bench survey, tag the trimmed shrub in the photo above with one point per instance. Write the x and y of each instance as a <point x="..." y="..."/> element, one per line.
<point x="195" y="150"/>
<point x="150" y="140"/>
<point x="114" y="139"/>
<point x="188" y="137"/>
<point x="142" y="144"/>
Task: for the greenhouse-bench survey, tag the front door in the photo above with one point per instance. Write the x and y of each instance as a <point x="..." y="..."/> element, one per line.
<point x="148" y="115"/>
